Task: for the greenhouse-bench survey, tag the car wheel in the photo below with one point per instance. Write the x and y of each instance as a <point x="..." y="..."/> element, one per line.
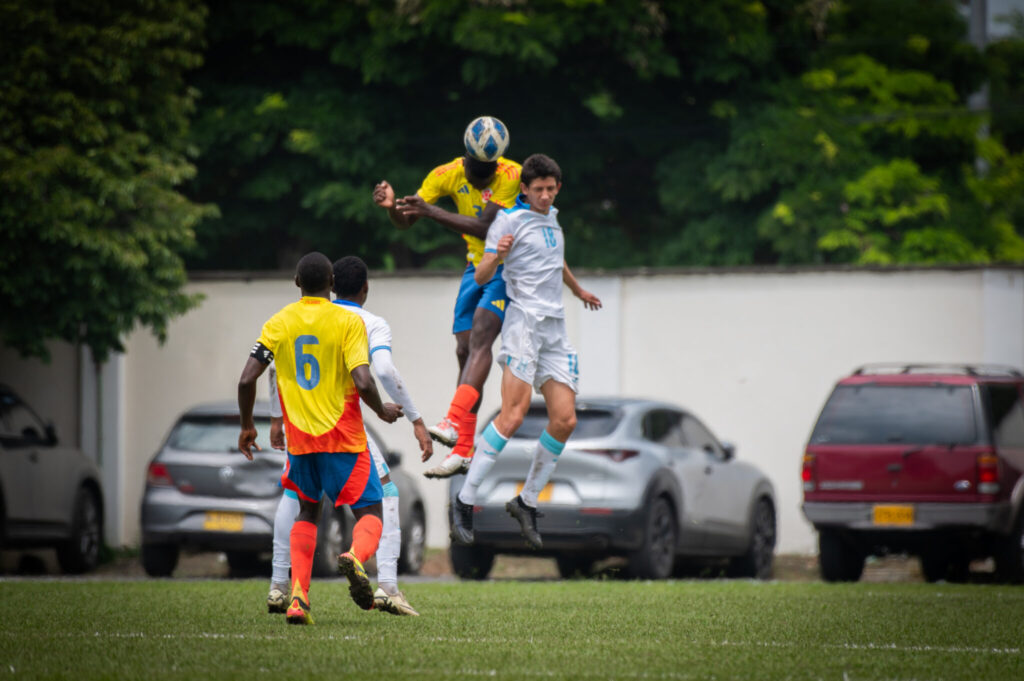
<point x="81" y="552"/>
<point x="159" y="560"/>
<point x="839" y="559"/>
<point x="572" y="566"/>
<point x="410" y="560"/>
<point x="330" y="541"/>
<point x="471" y="562"/>
<point x="656" y="557"/>
<point x="756" y="563"/>
<point x="1010" y="555"/>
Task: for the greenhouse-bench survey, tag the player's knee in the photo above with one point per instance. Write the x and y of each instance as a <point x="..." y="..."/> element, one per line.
<point x="462" y="352"/>
<point x="562" y="425"/>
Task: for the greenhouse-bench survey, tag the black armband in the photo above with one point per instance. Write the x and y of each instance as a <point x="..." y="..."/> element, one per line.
<point x="261" y="353"/>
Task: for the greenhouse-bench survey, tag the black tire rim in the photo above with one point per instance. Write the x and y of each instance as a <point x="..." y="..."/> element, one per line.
<point x="333" y="536"/>
<point x="764" y="538"/>
<point x="414" y="549"/>
<point x="89" y="531"/>
<point x="663" y="539"/>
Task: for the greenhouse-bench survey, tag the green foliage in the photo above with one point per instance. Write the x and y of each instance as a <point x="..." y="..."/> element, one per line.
<point x="93" y="123"/>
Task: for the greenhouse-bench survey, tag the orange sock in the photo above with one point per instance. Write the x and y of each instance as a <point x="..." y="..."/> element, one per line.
<point x="467" y="431"/>
<point x="365" y="537"/>
<point x="464" y="400"/>
<point x="303" y="546"/>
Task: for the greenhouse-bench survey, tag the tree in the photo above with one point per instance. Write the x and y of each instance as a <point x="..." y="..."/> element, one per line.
<point x="93" y="143"/>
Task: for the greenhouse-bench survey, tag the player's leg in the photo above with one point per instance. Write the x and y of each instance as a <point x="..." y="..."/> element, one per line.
<point x="388" y="597"/>
<point x="303" y="477"/>
<point x="287" y="509"/>
<point x="354" y="481"/>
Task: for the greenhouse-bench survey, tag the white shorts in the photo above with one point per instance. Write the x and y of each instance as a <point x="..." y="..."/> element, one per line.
<point x="537" y="349"/>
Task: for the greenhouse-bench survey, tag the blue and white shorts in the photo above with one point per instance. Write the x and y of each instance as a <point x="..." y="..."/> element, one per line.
<point x="490" y="296"/>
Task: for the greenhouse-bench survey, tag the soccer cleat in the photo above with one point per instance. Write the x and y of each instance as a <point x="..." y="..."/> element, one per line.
<point x="462" y="523"/>
<point x="527" y="517"/>
<point x="277" y="599"/>
<point x="445" y="432"/>
<point x="453" y="464"/>
<point x="359" y="585"/>
<point x="298" y="611"/>
<point x="393" y="603"/>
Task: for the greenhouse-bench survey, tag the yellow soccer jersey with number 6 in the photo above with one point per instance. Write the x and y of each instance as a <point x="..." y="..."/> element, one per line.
<point x="316" y="345"/>
<point x="450" y="180"/>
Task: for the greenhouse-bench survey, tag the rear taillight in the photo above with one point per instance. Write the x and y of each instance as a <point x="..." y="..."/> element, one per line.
<point x="807" y="473"/>
<point x="988" y="474"/>
<point x="158" y="476"/>
<point x="615" y="455"/>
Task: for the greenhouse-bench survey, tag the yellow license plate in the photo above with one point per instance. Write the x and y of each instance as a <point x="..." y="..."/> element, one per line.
<point x="545" y="494"/>
<point x="223" y="521"/>
<point x="894" y="515"/>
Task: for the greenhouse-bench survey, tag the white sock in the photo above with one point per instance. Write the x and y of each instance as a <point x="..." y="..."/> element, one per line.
<point x="390" y="539"/>
<point x="545" y="458"/>
<point x="488" y="446"/>
<point x="287" y="509"/>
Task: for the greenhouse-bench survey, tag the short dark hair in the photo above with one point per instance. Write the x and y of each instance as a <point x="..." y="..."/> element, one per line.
<point x="539" y="165"/>
<point x="349" y="276"/>
<point x="313" y="272"/>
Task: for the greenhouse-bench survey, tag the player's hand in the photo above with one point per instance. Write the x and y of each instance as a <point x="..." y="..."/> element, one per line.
<point x="246" y="441"/>
<point x="419" y="429"/>
<point x="504" y="245"/>
<point x="390" y="412"/>
<point x="277" y="433"/>
<point x="413" y="206"/>
<point x="384" y="195"/>
<point x="590" y="301"/>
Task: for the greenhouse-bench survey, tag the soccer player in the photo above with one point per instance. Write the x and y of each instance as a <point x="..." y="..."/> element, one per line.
<point x="322" y="363"/>
<point x="535" y="349"/>
<point x="479" y="189"/>
<point x="351" y="286"/>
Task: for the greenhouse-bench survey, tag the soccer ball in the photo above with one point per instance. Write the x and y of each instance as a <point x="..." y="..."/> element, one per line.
<point x="486" y="138"/>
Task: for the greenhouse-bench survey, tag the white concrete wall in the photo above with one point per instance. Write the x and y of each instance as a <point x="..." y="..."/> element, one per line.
<point x="754" y="354"/>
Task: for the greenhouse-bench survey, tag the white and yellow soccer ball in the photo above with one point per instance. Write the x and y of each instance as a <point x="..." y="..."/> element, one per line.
<point x="486" y="138"/>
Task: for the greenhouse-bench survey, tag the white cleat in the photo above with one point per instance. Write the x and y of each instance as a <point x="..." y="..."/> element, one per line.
<point x="393" y="603"/>
<point x="277" y="599"/>
<point x="453" y="464"/>
<point x="445" y="432"/>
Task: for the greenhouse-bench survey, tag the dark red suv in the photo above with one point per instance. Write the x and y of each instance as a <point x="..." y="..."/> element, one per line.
<point x="922" y="459"/>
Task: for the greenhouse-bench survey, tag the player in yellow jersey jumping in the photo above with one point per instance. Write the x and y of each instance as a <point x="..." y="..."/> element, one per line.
<point x="479" y="187"/>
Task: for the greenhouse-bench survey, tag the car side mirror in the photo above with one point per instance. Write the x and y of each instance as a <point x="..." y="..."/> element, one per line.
<point x="729" y="449"/>
<point x="392" y="458"/>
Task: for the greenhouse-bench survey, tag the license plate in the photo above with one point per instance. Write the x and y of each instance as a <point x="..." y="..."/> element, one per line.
<point x="894" y="515"/>
<point x="545" y="494"/>
<point x="223" y="521"/>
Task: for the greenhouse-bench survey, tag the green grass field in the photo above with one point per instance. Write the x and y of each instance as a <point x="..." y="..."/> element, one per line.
<point x="515" y="630"/>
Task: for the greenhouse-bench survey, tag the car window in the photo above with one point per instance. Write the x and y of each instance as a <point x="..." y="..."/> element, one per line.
<point x="889" y="414"/>
<point x="1007" y="415"/>
<point x="697" y="436"/>
<point x="664" y="427"/>
<point x="590" y="422"/>
<point x="18" y="425"/>
<point x="214" y="434"/>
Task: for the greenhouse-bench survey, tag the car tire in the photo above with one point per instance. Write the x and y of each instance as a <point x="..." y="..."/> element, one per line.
<point x="573" y="566"/>
<point x="330" y="540"/>
<point x="757" y="562"/>
<point x="81" y="552"/>
<point x="471" y="562"/>
<point x="159" y="560"/>
<point x="414" y="537"/>
<point x="656" y="557"/>
<point x="838" y="558"/>
<point x="1010" y="554"/>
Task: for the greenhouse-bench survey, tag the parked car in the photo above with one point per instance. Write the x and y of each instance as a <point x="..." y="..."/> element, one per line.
<point x="641" y="479"/>
<point x="50" y="494"/>
<point x="201" y="492"/>
<point x="922" y="459"/>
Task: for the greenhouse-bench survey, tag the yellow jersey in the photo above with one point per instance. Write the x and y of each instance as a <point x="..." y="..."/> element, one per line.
<point x="316" y="345"/>
<point x="450" y="180"/>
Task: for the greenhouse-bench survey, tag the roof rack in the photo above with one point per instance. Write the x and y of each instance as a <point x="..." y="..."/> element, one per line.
<point x="926" y="368"/>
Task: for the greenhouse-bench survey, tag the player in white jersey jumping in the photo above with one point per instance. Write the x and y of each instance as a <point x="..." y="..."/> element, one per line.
<point x="535" y="349"/>
<point x="351" y="288"/>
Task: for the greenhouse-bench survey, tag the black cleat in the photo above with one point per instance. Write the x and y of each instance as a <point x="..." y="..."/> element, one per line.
<point x="462" y="523"/>
<point x="527" y="517"/>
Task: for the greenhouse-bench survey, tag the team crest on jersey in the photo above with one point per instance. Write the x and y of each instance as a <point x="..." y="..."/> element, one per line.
<point x="486" y="195"/>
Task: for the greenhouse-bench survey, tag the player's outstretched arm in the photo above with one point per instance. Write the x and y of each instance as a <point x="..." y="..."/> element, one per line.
<point x="367" y="388"/>
<point x="394" y="386"/>
<point x="384" y="196"/>
<point x="590" y="301"/>
<point x="253" y="369"/>
<point x="415" y="207"/>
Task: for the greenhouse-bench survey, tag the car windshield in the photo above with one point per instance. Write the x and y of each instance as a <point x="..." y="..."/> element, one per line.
<point x="890" y="414"/>
<point x="214" y="434"/>
<point x="589" y="423"/>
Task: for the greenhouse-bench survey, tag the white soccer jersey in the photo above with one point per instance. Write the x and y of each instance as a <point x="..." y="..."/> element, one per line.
<point x="533" y="267"/>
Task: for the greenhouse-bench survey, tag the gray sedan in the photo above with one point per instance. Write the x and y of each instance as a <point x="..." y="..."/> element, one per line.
<point x="641" y="479"/>
<point x="202" y="493"/>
